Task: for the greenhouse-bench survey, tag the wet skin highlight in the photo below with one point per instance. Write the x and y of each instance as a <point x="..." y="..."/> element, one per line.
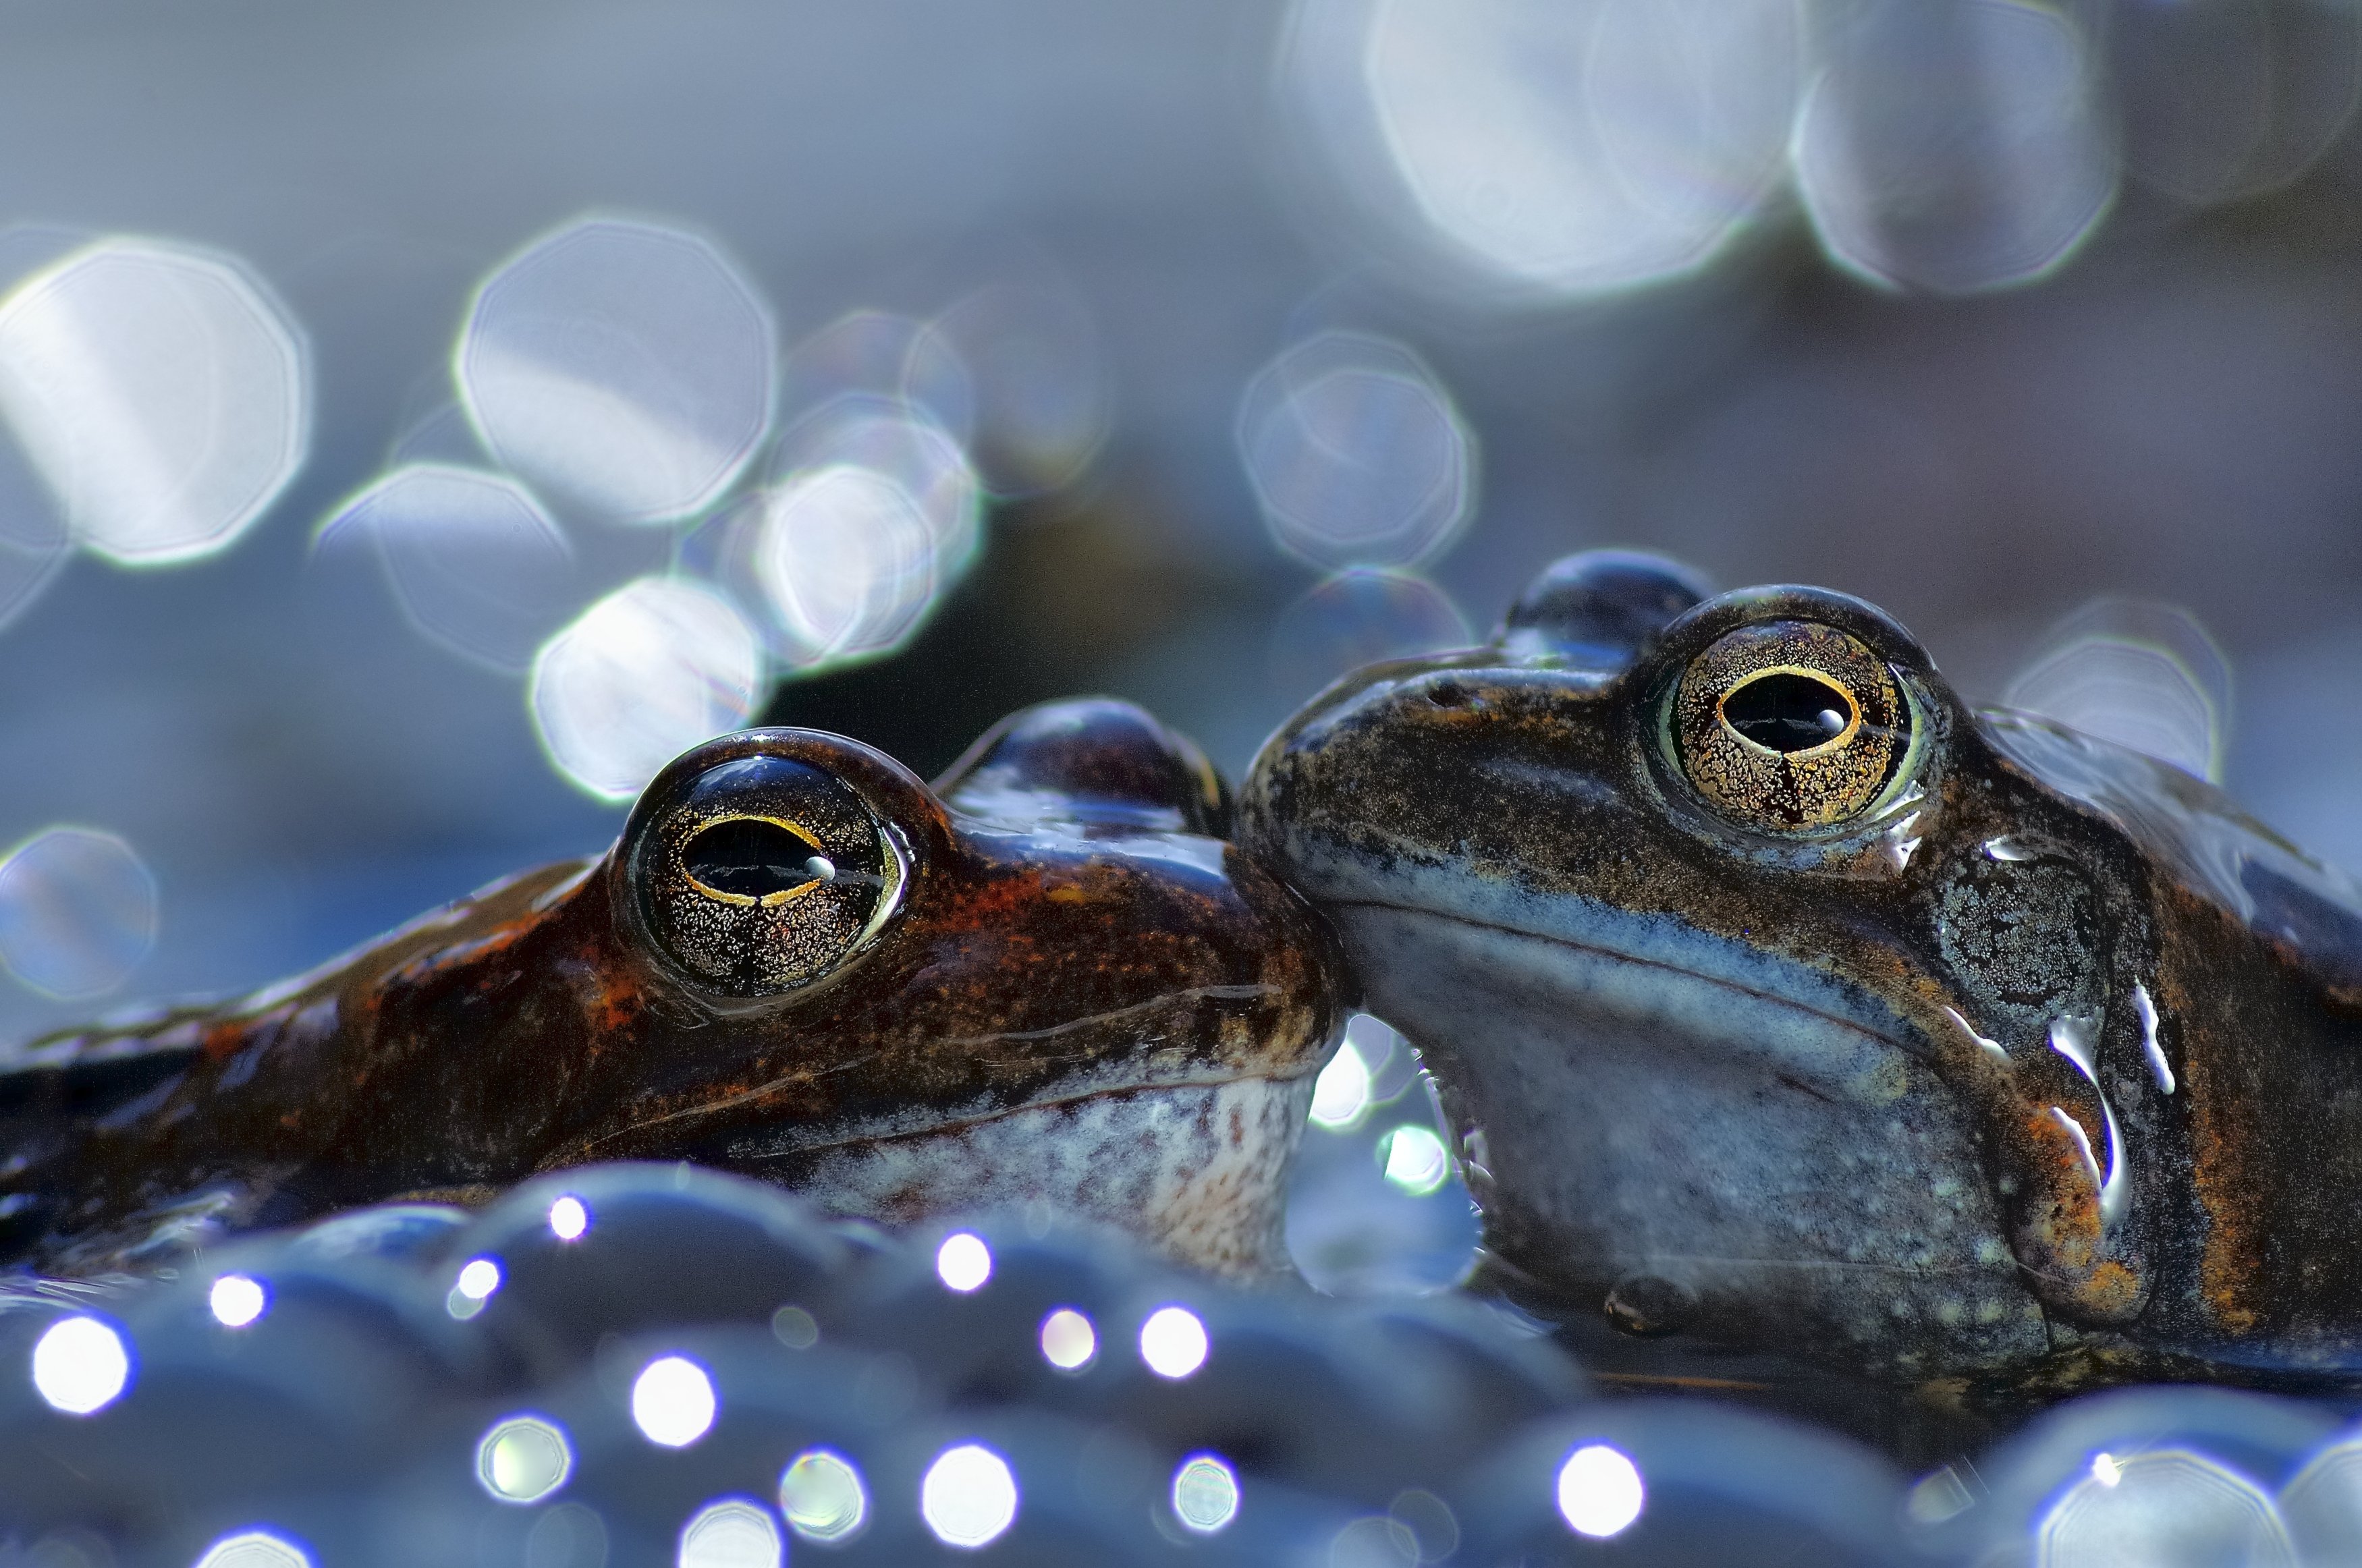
<point x="1047" y="979"/>
<point x="1779" y="1001"/>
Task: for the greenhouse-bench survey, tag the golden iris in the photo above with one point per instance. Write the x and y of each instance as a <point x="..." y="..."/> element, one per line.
<point x="1789" y="726"/>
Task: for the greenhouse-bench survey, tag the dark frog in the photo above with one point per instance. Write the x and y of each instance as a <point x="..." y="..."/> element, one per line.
<point x="1781" y="1001"/>
<point x="1048" y="980"/>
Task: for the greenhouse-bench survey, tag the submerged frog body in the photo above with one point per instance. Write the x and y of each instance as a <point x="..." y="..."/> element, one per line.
<point x="1046" y="980"/>
<point x="1779" y="1000"/>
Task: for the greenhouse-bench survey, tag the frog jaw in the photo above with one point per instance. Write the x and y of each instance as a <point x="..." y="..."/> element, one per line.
<point x="1778" y="1164"/>
<point x="1198" y="1171"/>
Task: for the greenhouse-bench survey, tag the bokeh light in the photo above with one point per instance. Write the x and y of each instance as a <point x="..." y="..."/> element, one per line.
<point x="1351" y="1231"/>
<point x="2223" y="101"/>
<point x="843" y="560"/>
<point x="80" y="1365"/>
<point x="1205" y="1493"/>
<point x="1358" y="617"/>
<point x="254" y="1549"/>
<point x="2322" y="1504"/>
<point x="34" y="541"/>
<point x="1559" y="150"/>
<point x="1955" y="145"/>
<point x="897" y="360"/>
<point x="474" y="1286"/>
<point x="238" y="1299"/>
<point x="1069" y="1340"/>
<point x="1356" y="454"/>
<point x="1340" y="1095"/>
<point x="639" y="678"/>
<point x="1033" y="360"/>
<point x="2162" y="1506"/>
<point x="795" y="1328"/>
<point x="821" y="1497"/>
<point x="964" y="1263"/>
<point x="568" y="1219"/>
<point x="1415" y="1160"/>
<point x="524" y="1459"/>
<point x="731" y="1533"/>
<point x="1600" y="1493"/>
<point x="672" y="1401"/>
<point x="159" y="391"/>
<point x="969" y="1495"/>
<point x="625" y="367"/>
<point x="78" y="911"/>
<point x="474" y="562"/>
<point x="569" y="1535"/>
<point x="1173" y="1341"/>
<point x="2141" y="674"/>
<point x="872" y="513"/>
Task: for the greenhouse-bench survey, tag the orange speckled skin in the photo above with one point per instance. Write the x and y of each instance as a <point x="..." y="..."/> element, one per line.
<point x="1031" y="959"/>
<point x="1823" y="1158"/>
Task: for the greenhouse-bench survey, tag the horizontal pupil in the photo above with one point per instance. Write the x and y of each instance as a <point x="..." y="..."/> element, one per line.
<point x="1787" y="713"/>
<point x="751" y="859"/>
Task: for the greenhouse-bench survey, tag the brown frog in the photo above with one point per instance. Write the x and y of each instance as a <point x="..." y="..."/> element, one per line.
<point x="1047" y="979"/>
<point x="1781" y="1001"/>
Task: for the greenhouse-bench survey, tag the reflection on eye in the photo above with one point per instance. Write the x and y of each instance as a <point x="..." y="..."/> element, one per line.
<point x="731" y="1533"/>
<point x="1789" y="726"/>
<point x="254" y="1549"/>
<point x="970" y="1496"/>
<point x="1205" y="1493"/>
<point x="821" y="1495"/>
<point x="524" y="1459"/>
<point x="1599" y="1491"/>
<point x="80" y="1365"/>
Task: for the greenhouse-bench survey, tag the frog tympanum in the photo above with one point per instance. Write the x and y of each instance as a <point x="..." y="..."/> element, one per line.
<point x="1046" y="980"/>
<point x="1778" y="999"/>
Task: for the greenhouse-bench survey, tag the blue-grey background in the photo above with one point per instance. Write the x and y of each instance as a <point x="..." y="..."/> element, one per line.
<point x="2177" y="413"/>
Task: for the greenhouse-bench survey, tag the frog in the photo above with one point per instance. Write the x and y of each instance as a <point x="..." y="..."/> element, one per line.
<point x="1781" y="1002"/>
<point x="1045" y="983"/>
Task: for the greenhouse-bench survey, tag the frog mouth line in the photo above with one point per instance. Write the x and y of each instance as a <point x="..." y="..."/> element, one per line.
<point x="919" y="1126"/>
<point x="1754" y="995"/>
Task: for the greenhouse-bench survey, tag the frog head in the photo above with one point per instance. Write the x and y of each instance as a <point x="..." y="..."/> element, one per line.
<point x="1771" y="1000"/>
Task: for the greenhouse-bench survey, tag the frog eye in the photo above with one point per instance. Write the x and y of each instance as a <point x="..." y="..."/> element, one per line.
<point x="1789" y="726"/>
<point x="764" y="875"/>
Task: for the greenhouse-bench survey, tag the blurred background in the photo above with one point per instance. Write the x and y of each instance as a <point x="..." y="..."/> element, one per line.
<point x="422" y="421"/>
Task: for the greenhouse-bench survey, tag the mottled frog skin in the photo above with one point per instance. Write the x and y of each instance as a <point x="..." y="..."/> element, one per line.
<point x="1779" y="1001"/>
<point x="1046" y="980"/>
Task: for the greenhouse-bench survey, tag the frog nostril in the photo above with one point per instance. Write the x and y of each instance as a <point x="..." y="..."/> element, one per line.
<point x="1448" y="694"/>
